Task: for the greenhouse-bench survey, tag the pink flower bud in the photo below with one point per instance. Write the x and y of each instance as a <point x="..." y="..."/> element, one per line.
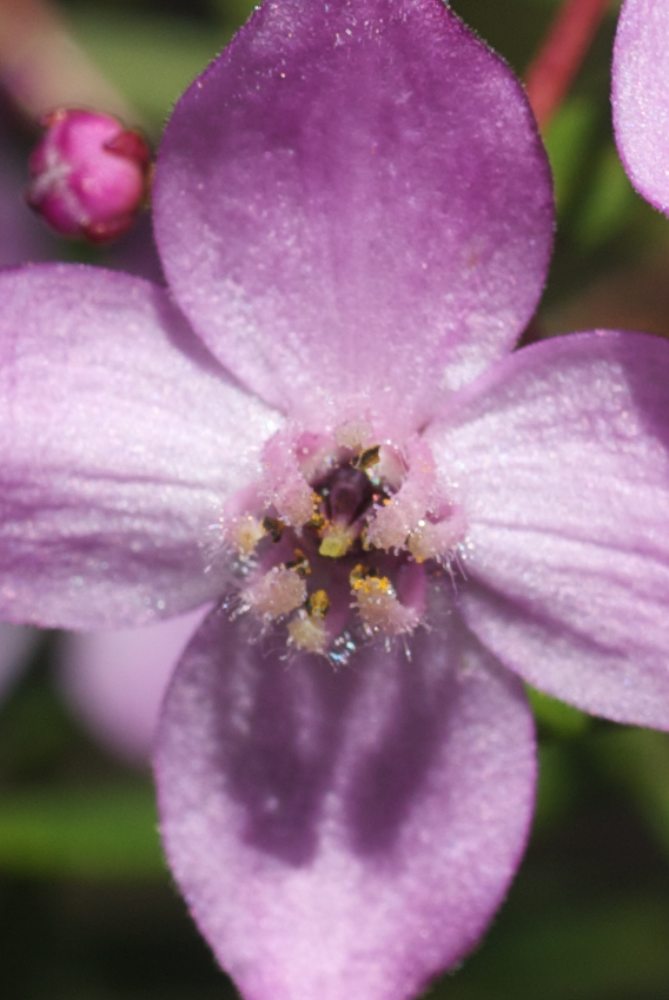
<point x="89" y="175"/>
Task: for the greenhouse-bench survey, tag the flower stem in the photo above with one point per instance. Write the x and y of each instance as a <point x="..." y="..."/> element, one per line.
<point x="559" y="58"/>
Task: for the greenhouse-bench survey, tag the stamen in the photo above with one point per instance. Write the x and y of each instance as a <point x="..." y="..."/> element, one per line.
<point x="287" y="489"/>
<point x="276" y="593"/>
<point x="359" y="572"/>
<point x="317" y="519"/>
<point x="437" y="540"/>
<point x="370" y="585"/>
<point x="245" y="532"/>
<point x="338" y="500"/>
<point x="318" y="604"/>
<point x="308" y="634"/>
<point x="368" y="458"/>
<point x="307" y="631"/>
<point x="379" y="608"/>
<point x="389" y="526"/>
<point x="393" y="522"/>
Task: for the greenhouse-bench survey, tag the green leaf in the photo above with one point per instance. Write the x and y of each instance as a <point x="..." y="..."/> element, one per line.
<point x="150" y="59"/>
<point x="555" y="718"/>
<point x="638" y="759"/>
<point x="568" y="141"/>
<point x="590" y="951"/>
<point x="105" y="832"/>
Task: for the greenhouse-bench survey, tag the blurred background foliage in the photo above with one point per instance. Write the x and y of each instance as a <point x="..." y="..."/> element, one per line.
<point x="87" y="909"/>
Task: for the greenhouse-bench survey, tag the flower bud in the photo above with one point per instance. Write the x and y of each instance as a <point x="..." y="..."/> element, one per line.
<point x="89" y="175"/>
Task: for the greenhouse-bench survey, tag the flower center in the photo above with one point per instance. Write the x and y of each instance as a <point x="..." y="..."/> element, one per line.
<point x="339" y="538"/>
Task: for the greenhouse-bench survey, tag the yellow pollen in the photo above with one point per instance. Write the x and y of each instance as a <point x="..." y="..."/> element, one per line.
<point x="364" y="541"/>
<point x="317" y="520"/>
<point x="379" y="608"/>
<point x="370" y="585"/>
<point x="318" y="604"/>
<point x="336" y="541"/>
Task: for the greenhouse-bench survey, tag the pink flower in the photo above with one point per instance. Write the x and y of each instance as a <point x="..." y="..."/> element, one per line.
<point x="354" y="212"/>
<point x="641" y="97"/>
<point x="114" y="682"/>
<point x="89" y="175"/>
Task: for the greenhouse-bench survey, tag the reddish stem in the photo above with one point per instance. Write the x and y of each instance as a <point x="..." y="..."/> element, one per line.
<point x="559" y="58"/>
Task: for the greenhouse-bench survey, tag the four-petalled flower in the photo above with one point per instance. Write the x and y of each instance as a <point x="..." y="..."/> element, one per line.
<point x="354" y="213"/>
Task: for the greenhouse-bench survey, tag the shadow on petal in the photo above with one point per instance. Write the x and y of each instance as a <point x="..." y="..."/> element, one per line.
<point x="349" y="832"/>
<point x="280" y="759"/>
<point x="290" y="748"/>
<point x="388" y="779"/>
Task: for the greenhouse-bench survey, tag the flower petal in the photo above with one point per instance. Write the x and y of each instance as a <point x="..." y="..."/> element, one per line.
<point x="641" y="97"/>
<point x="342" y="833"/>
<point x="120" y="442"/>
<point x="353" y="201"/>
<point x="562" y="455"/>
<point x="115" y="681"/>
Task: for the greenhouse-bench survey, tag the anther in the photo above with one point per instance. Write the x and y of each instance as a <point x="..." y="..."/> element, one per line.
<point x="368" y="458"/>
<point x="317" y="519"/>
<point x="437" y="540"/>
<point x="245" y="533"/>
<point x="308" y="634"/>
<point x="379" y="608"/>
<point x="276" y="593"/>
<point x="336" y="541"/>
<point x="318" y="604"/>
